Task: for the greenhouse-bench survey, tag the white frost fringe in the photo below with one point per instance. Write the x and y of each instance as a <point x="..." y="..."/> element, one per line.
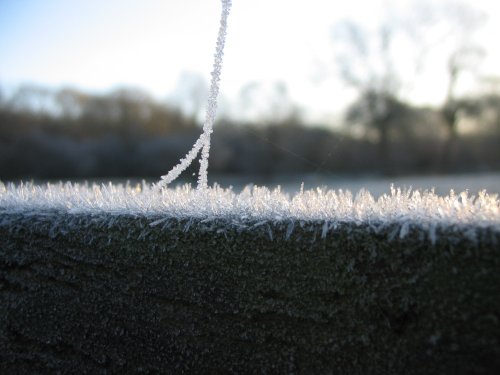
<point x="258" y="205"/>
<point x="203" y="142"/>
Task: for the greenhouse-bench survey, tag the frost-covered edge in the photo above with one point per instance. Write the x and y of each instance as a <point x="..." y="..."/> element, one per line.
<point x="256" y="206"/>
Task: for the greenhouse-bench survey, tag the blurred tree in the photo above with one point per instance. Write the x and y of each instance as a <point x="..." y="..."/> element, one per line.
<point x="381" y="114"/>
<point x="71" y="103"/>
<point x="33" y="99"/>
<point x="366" y="63"/>
<point x="166" y="120"/>
<point x="190" y="95"/>
<point x="268" y="104"/>
<point x="465" y="57"/>
<point x="131" y="108"/>
<point x="383" y="64"/>
<point x="2" y="99"/>
<point x="490" y="113"/>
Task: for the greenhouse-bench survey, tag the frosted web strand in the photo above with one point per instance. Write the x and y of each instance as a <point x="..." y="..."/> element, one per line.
<point x="181" y="166"/>
<point x="203" y="142"/>
<point x="213" y="93"/>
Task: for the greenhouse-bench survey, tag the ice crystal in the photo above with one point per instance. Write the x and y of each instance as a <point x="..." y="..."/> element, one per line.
<point x="203" y="142"/>
<point x="258" y="206"/>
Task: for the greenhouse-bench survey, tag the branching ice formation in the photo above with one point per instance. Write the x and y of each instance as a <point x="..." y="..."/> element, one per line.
<point x="203" y="142"/>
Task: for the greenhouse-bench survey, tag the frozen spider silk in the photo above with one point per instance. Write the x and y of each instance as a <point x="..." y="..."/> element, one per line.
<point x="203" y="142"/>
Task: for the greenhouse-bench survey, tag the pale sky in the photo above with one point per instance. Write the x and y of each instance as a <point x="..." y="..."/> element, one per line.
<point x="100" y="44"/>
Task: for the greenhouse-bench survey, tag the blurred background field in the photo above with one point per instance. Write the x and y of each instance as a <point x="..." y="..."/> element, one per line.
<point x="337" y="95"/>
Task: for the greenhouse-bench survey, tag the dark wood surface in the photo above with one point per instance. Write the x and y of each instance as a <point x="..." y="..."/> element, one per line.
<point x="104" y="295"/>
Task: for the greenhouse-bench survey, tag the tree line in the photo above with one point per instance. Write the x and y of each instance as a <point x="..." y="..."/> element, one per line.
<point x="48" y="134"/>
